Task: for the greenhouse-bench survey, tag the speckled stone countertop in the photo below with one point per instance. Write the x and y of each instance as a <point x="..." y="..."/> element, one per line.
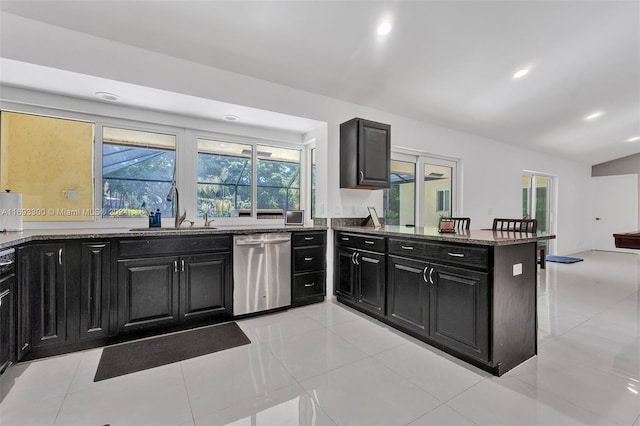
<point x="11" y="239"/>
<point x="484" y="237"/>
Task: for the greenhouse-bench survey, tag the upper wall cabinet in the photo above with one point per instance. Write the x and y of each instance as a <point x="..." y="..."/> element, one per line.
<point x="365" y="150"/>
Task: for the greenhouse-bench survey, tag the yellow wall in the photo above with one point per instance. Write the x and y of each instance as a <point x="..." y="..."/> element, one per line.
<point x="44" y="158"/>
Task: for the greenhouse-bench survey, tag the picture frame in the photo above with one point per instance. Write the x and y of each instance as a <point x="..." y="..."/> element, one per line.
<point x="374" y="217"/>
<point x="294" y="217"/>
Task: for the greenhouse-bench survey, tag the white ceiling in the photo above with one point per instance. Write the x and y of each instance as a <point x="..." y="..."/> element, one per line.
<point x="444" y="62"/>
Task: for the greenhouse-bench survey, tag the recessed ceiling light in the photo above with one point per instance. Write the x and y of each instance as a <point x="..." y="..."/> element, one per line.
<point x="106" y="96"/>
<point x="230" y="117"/>
<point x="521" y="73"/>
<point x="384" y="28"/>
<point x="633" y="139"/>
<point x="594" y="115"/>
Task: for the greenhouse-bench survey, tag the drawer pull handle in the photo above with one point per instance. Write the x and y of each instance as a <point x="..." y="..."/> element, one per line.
<point x="8" y="263"/>
<point x="345" y="238"/>
<point x="369" y="242"/>
<point x="310" y="285"/>
<point x="308" y="259"/>
<point x="407" y="247"/>
<point x="456" y="254"/>
<point x="308" y="238"/>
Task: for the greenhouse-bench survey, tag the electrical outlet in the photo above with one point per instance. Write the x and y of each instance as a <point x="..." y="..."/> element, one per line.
<point x="517" y="269"/>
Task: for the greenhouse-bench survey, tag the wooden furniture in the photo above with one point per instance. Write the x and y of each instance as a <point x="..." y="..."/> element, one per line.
<point x="365" y="154"/>
<point x="629" y="240"/>
<point x="522" y="225"/>
<point x="461" y="297"/>
<point x="516" y="225"/>
<point x="460" y="223"/>
<point x="308" y="262"/>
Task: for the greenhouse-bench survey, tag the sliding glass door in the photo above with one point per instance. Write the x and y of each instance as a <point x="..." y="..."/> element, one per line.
<point x="422" y="201"/>
<point x="537" y="200"/>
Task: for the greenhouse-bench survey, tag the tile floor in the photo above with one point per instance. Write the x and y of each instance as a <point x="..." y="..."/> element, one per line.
<point x="328" y="365"/>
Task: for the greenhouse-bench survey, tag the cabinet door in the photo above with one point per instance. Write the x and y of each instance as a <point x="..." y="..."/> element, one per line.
<point x="345" y="272"/>
<point x="408" y="294"/>
<point x="460" y="310"/>
<point x="374" y="148"/>
<point x="147" y="293"/>
<point x="7" y="328"/>
<point x="48" y="295"/>
<point x="23" y="300"/>
<point x="95" y="277"/>
<point x="371" y="281"/>
<point x="205" y="285"/>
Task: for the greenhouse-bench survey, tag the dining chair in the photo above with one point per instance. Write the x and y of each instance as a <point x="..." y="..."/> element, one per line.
<point x="522" y="225"/>
<point x="460" y="223"/>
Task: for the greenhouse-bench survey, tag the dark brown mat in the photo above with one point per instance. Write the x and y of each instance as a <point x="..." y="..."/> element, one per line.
<point x="149" y="353"/>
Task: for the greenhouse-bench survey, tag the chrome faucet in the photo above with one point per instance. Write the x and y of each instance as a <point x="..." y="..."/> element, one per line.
<point x="179" y="217"/>
<point x="207" y="223"/>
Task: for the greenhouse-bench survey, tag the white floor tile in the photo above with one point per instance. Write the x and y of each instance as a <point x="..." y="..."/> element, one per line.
<point x="150" y="397"/>
<point x="313" y="353"/>
<point x="288" y="406"/>
<point x="608" y="395"/>
<point x="367" y="393"/>
<point x="329" y="313"/>
<point x="225" y="378"/>
<point x="434" y="371"/>
<point x="26" y="412"/>
<point x="369" y="335"/>
<point x="508" y="401"/>
<point x="442" y="416"/>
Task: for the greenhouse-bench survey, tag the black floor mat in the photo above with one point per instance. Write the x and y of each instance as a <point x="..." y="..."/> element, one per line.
<point x="149" y="353"/>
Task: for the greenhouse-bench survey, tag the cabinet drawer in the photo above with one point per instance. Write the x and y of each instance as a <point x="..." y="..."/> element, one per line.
<point x="361" y="241"/>
<point x="308" y="285"/>
<point x="169" y="245"/>
<point x="308" y="259"/>
<point x="309" y="238"/>
<point x="463" y="255"/>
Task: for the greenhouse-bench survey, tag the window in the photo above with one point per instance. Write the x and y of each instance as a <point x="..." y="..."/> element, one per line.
<point x="137" y="171"/>
<point x="422" y="201"/>
<point x="278" y="181"/>
<point x="443" y="201"/>
<point x="313" y="183"/>
<point x="224" y="179"/>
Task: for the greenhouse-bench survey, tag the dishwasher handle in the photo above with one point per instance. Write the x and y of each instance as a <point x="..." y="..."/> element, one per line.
<point x="262" y="242"/>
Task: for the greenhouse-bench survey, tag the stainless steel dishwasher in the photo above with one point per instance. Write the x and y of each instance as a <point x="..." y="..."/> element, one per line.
<point x="261" y="272"/>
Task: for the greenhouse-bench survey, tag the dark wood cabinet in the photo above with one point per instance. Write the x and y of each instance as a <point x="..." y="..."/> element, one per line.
<point x="408" y="294"/>
<point x="365" y="152"/>
<point x="95" y="279"/>
<point x="48" y="287"/>
<point x="7" y="321"/>
<point x="308" y="260"/>
<point x="459" y="310"/>
<point x="147" y="293"/>
<point x="360" y="274"/>
<point x="23" y="300"/>
<point x="203" y="285"/>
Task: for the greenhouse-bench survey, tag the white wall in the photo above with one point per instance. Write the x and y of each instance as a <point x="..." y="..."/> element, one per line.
<point x="491" y="171"/>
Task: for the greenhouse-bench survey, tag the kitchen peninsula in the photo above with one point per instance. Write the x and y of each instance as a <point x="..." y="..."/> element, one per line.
<point x="471" y="294"/>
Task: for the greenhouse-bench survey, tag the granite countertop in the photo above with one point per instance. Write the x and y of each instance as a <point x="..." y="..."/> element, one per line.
<point x="10" y="239"/>
<point x="485" y="237"/>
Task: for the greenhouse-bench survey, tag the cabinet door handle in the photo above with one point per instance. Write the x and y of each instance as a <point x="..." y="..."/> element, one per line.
<point x="456" y="254"/>
<point x="407" y="247"/>
<point x="182" y="265"/>
<point x="175" y="266"/>
<point x="361" y="176"/>
<point x="60" y="257"/>
<point x="310" y="285"/>
<point x="8" y="263"/>
<point x="308" y="238"/>
<point x="424" y="274"/>
<point x="26" y="345"/>
<point x="357" y="254"/>
<point x="353" y="257"/>
<point x="430" y="276"/>
<point x="307" y="259"/>
<point x="369" y="242"/>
